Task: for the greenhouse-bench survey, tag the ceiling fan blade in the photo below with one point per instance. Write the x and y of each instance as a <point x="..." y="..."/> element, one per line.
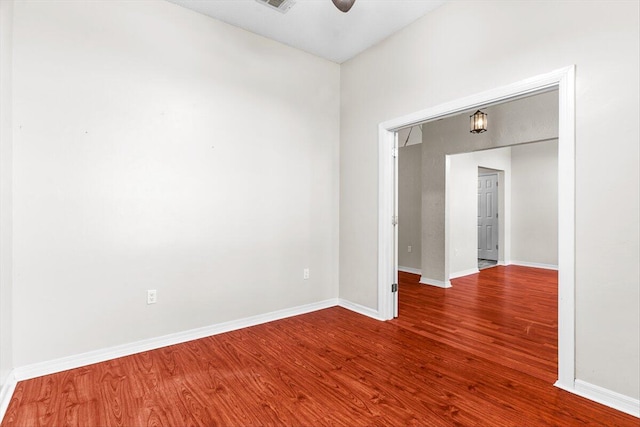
<point x="344" y="5"/>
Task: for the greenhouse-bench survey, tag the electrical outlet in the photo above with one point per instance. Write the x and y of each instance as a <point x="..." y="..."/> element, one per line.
<point x="152" y="296"/>
<point x="409" y="249"/>
<point x="305" y="274"/>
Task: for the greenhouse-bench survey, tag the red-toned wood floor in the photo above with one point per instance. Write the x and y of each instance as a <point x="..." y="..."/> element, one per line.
<point x="480" y="353"/>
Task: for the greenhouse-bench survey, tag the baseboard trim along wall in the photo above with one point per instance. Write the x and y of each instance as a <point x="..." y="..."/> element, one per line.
<point x="432" y="282"/>
<point x="534" y="264"/>
<point x="410" y="270"/>
<point x="464" y="273"/>
<point x="582" y="388"/>
<point x="97" y="356"/>
<point x="360" y="309"/>
<point x="607" y="397"/>
<point x="6" y="393"/>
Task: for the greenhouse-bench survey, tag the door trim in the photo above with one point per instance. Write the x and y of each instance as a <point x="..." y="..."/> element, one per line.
<point x="564" y="80"/>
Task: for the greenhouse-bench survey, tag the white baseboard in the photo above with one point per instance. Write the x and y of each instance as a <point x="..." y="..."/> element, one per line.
<point x="360" y="309"/>
<point x="97" y="356"/>
<point x="433" y="282"/>
<point x="463" y="273"/>
<point x="410" y="270"/>
<point x="534" y="264"/>
<point x="6" y="393"/>
<point x="589" y="391"/>
<point x="607" y="397"/>
<point x="76" y="361"/>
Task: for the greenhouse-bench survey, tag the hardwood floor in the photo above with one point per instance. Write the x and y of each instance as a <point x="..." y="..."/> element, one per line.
<point x="508" y="315"/>
<point x="480" y="353"/>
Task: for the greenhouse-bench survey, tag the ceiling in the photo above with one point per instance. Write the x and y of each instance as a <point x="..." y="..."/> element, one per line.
<point x="317" y="26"/>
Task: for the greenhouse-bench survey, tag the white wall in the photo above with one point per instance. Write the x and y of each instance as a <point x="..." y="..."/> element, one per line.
<point x="529" y="205"/>
<point x="519" y="40"/>
<point x="6" y="207"/>
<point x="462" y="206"/>
<point x="534" y="215"/>
<point x="410" y="205"/>
<point x="156" y="148"/>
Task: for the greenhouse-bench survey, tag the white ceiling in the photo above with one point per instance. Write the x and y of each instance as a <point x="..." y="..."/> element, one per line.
<point x="316" y="26"/>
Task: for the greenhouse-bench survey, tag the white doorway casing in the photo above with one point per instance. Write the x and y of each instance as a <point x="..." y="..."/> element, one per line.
<point x="562" y="79"/>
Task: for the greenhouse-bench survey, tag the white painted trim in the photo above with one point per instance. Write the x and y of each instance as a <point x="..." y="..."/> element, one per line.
<point x="564" y="80"/>
<point x="493" y="96"/>
<point x="434" y="282"/>
<point x="386" y="232"/>
<point x="6" y="393"/>
<point x="410" y="270"/>
<point x="97" y="356"/>
<point x="360" y="309"/>
<point x="534" y="265"/>
<point x="395" y="296"/>
<point x="566" y="227"/>
<point x="91" y="357"/>
<point x="607" y="397"/>
<point x="463" y="273"/>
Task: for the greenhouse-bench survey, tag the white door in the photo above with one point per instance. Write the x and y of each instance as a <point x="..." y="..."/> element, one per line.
<point x="488" y="216"/>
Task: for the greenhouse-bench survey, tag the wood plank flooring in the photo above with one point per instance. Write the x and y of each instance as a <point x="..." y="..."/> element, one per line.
<point x="506" y="315"/>
<point x="482" y="353"/>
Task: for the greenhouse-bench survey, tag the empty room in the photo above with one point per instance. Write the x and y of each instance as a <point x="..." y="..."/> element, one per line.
<point x="200" y="220"/>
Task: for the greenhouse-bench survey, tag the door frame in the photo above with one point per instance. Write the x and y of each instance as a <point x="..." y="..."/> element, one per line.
<point x="562" y="79"/>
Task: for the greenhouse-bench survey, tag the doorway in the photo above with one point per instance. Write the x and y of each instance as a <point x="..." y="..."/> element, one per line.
<point x="488" y="219"/>
<point x="564" y="81"/>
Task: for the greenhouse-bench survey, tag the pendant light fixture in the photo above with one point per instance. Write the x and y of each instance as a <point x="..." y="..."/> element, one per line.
<point x="478" y="122"/>
<point x="343" y="5"/>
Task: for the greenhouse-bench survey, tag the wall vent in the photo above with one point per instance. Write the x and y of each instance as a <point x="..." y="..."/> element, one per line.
<point x="281" y="6"/>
